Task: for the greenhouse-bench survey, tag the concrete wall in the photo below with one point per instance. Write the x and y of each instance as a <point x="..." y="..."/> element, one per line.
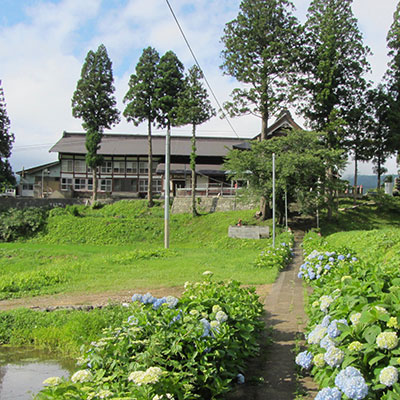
<point x="209" y="204"/>
<point x="10" y="202"/>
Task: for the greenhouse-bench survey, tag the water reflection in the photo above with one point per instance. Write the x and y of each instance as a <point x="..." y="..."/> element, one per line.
<point x="23" y="370"/>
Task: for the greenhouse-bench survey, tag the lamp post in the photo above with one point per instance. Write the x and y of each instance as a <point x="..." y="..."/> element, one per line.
<point x="47" y="172"/>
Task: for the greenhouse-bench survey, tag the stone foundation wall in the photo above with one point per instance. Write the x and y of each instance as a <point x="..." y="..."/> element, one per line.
<point x="209" y="204"/>
<point x="19" y="202"/>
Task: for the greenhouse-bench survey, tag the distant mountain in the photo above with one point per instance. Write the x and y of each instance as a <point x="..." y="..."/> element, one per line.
<point x="368" y="181"/>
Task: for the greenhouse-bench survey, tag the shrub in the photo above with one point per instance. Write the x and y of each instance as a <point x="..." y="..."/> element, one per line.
<point x="16" y="224"/>
<point x="192" y="348"/>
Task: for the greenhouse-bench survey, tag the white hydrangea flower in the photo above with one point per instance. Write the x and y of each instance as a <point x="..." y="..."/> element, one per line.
<point x="318" y="360"/>
<point x="388" y="376"/>
<point x="325" y="302"/>
<point x="151" y="375"/>
<point x="355" y="318"/>
<point x="103" y="394"/>
<point x="387" y="340"/>
<point x="334" y="356"/>
<point x="221" y="316"/>
<point x="381" y="310"/>
<point x="52" y="381"/>
<point x="216" y="308"/>
<point x="83" y="375"/>
<point x="355" y="346"/>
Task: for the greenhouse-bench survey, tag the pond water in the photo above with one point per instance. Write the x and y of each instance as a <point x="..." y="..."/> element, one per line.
<point x="23" y="370"/>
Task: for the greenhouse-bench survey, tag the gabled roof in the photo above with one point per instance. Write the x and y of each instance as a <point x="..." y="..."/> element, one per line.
<point x="130" y="144"/>
<point x="284" y="121"/>
<point x="39" y="168"/>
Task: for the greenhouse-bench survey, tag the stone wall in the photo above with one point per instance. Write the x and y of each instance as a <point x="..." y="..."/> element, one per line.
<point x="19" y="202"/>
<point x="209" y="204"/>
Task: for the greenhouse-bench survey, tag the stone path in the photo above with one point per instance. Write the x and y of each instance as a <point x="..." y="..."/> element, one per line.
<point x="272" y="376"/>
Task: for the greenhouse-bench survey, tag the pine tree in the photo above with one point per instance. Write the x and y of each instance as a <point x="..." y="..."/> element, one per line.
<point x="94" y="102"/>
<point x="6" y="141"/>
<point x="141" y="98"/>
<point x="195" y="109"/>
<point x="261" y="49"/>
<point x="334" y="64"/>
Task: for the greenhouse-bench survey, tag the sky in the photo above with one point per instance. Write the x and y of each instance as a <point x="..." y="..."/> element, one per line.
<point x="43" y="44"/>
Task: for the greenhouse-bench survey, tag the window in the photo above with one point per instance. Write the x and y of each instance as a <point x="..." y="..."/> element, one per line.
<point x="143" y="167"/>
<point x="156" y="185"/>
<point x="142" y="185"/>
<point x="106" y="167"/>
<point x="27" y="186"/>
<point x="67" y="165"/>
<point x="131" y="167"/>
<point x="90" y="184"/>
<point x="80" y="166"/>
<point x="79" y="184"/>
<point x="66" y="183"/>
<point x="119" y="167"/>
<point x="125" y="185"/>
<point x="106" y="185"/>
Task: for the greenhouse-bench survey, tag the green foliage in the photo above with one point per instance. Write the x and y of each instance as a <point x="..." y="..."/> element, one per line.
<point x="142" y="102"/>
<point x="93" y="101"/>
<point x="6" y="141"/>
<point x="334" y="65"/>
<point x="280" y="255"/>
<point x="261" y="49"/>
<point x="364" y="296"/>
<point x="169" y="87"/>
<point x="21" y="224"/>
<point x="196" y="346"/>
<point x="61" y="330"/>
<point x="301" y="165"/>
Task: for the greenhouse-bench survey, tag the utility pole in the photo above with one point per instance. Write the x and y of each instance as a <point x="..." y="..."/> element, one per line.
<point x="273" y="200"/>
<point x="286" y="211"/>
<point x="166" y="186"/>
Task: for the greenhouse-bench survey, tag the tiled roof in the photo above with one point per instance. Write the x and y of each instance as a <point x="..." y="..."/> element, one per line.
<point x="129" y="144"/>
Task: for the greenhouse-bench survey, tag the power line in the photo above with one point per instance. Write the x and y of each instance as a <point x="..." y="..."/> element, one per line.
<point x="197" y="63"/>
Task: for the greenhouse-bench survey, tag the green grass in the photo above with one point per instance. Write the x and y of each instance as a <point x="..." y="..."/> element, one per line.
<point x="120" y="247"/>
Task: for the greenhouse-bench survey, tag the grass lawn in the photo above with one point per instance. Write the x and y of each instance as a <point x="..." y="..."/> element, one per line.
<point x="74" y="254"/>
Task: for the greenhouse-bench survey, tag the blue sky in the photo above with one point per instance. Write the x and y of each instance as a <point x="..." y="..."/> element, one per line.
<point x="43" y="44"/>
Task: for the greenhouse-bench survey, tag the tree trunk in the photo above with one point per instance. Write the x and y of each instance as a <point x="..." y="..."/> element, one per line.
<point x="379" y="173"/>
<point x="264" y="125"/>
<point x="355" y="178"/>
<point x="150" y="166"/>
<point x="193" y="168"/>
<point x="95" y="183"/>
<point x="265" y="209"/>
<point x="330" y="194"/>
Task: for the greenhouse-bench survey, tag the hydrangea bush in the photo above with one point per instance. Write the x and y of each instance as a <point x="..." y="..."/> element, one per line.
<point x="354" y="324"/>
<point x="194" y="347"/>
<point x="280" y="256"/>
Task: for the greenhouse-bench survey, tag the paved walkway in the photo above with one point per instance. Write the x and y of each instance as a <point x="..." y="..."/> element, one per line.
<point x="272" y="376"/>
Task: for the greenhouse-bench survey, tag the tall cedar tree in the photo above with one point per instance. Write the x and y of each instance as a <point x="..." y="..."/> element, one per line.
<point x="195" y="109"/>
<point x="6" y="141"/>
<point x="334" y="65"/>
<point x="381" y="139"/>
<point x="261" y="49"/>
<point x="393" y="79"/>
<point x="94" y="102"/>
<point x="141" y="98"/>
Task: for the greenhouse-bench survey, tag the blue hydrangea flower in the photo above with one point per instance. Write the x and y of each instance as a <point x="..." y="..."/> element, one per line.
<point x="304" y="359"/>
<point x="300" y="275"/>
<point x="311" y="273"/>
<point x="355" y="388"/>
<point x="159" y="302"/>
<point x="329" y="394"/>
<point x="326" y="342"/>
<point x="240" y="379"/>
<point x="206" y="327"/>
<point x="326" y="321"/>
<point x="341" y="257"/>
<point x="331" y="259"/>
<point x="328" y="267"/>
<point x="171" y="301"/>
<point x="148" y="299"/>
<point x="351" y="383"/>
<point x="137" y="297"/>
<point x="321" y="257"/>
<point x="333" y="330"/>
